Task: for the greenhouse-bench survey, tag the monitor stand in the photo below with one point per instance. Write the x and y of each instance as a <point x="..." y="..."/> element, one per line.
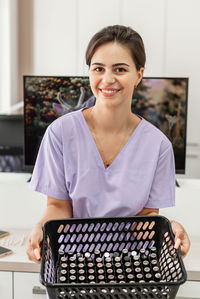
<point x="28" y="181"/>
<point x="177" y="184"/>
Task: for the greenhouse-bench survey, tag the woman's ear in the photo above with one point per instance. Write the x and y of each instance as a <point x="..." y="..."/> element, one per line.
<point x="140" y="75"/>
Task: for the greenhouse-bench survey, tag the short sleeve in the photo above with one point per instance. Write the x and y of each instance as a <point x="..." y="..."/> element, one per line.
<point x="162" y="193"/>
<point x="48" y="175"/>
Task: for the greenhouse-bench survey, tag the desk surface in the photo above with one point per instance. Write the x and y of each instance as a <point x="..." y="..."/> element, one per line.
<point x="18" y="260"/>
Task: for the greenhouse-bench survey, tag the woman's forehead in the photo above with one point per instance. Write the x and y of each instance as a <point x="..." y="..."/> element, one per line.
<point x="112" y="53"/>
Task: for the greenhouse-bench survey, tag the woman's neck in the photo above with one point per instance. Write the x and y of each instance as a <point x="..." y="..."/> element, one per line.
<point x="111" y="120"/>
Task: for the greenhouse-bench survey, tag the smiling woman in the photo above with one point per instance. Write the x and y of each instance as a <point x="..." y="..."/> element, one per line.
<point x="93" y="162"/>
<point x="111" y="138"/>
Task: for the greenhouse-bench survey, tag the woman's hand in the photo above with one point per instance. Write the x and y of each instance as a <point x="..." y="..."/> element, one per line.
<point x="34" y="243"/>
<point x="56" y="209"/>
<point x="181" y="237"/>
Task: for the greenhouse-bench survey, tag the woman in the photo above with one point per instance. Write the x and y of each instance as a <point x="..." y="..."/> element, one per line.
<point x="106" y="161"/>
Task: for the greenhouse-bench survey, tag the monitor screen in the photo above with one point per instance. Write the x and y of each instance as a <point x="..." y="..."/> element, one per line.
<point x="161" y="101"/>
<point x="11" y="134"/>
<point x="11" y="143"/>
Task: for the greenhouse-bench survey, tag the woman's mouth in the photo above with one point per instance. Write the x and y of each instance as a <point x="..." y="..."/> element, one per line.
<point x="109" y="92"/>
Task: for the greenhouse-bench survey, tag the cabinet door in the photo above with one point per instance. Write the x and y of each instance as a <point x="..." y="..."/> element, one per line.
<point x="27" y="285"/>
<point x="6" y="285"/>
<point x="190" y="289"/>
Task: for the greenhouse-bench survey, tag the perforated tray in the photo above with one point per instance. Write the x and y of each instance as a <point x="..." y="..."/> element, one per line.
<point x="112" y="235"/>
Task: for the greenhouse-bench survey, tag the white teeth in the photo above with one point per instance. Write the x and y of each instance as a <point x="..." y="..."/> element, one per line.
<point x="108" y="91"/>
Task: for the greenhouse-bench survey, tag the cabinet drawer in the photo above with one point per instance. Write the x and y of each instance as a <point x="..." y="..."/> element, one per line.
<point x="27" y="285"/>
<point x="5" y="285"/>
<point x="190" y="289"/>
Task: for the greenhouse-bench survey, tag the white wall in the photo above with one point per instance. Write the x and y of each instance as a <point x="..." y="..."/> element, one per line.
<point x="55" y="37"/>
<point x="8" y="54"/>
<point x="182" y="58"/>
<point x="62" y="32"/>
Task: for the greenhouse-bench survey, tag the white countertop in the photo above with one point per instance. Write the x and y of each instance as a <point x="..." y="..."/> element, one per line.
<point x="18" y="260"/>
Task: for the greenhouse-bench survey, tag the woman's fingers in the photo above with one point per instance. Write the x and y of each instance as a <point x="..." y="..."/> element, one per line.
<point x="33" y="246"/>
<point x="33" y="255"/>
<point x="177" y="243"/>
<point x="181" y="238"/>
<point x="37" y="254"/>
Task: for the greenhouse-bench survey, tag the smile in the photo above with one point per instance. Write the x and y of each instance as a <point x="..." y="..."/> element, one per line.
<point x="109" y="92"/>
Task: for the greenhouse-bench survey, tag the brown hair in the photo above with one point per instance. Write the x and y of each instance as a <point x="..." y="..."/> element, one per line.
<point x="120" y="34"/>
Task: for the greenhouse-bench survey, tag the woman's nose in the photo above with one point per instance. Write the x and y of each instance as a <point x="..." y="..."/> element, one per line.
<point x="108" y="77"/>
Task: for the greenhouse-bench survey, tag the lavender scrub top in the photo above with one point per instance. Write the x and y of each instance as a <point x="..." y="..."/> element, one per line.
<point x="69" y="167"/>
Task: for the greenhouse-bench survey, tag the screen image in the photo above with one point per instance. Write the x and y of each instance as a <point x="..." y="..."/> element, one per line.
<point x="45" y="99"/>
<point x="161" y="101"/>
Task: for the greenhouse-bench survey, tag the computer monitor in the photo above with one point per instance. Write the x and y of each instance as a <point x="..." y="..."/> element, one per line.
<point x="11" y="143"/>
<point x="162" y="101"/>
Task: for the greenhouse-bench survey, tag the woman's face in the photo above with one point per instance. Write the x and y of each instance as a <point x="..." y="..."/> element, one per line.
<point x="113" y="74"/>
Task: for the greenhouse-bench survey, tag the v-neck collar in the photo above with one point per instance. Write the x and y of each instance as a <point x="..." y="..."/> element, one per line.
<point x="98" y="155"/>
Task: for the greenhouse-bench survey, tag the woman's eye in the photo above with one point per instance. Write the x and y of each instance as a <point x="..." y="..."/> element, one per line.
<point x="120" y="70"/>
<point x="98" y="69"/>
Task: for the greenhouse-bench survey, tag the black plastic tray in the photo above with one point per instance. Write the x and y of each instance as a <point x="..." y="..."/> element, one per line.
<point x="112" y="235"/>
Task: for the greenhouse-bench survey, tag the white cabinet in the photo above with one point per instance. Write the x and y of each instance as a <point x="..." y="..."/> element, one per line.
<point x="190" y="289"/>
<point x="6" y="285"/>
<point x="18" y="285"/>
<point x="27" y="285"/>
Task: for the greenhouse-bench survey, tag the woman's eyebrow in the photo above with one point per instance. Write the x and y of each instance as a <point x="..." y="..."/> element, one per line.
<point x="116" y="64"/>
<point x="120" y="63"/>
<point x="98" y="63"/>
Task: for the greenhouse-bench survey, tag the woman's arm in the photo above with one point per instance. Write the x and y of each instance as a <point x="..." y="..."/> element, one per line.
<point x="148" y="212"/>
<point x="55" y="209"/>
